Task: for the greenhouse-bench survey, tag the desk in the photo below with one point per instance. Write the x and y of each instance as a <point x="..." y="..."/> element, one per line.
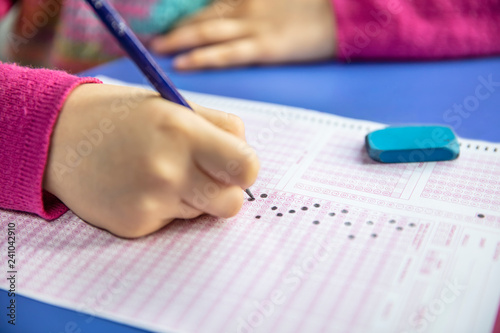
<point x="386" y="92"/>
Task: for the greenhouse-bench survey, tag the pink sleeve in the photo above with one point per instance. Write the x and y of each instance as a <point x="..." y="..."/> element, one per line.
<point x="30" y="101"/>
<point x="421" y="29"/>
<point x="4" y="7"/>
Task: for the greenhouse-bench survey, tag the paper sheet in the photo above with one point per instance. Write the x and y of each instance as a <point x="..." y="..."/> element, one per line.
<point x="380" y="248"/>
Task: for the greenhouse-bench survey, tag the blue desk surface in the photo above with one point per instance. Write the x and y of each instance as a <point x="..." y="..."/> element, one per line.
<point x="462" y="94"/>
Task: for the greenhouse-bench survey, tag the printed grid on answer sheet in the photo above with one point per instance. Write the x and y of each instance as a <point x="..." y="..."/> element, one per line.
<point x="334" y="242"/>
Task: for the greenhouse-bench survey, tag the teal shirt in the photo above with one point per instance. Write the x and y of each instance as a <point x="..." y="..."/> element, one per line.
<point x="81" y="42"/>
<point x="165" y="13"/>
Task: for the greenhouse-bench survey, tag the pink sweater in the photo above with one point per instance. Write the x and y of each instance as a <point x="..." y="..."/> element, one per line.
<point x="30" y="99"/>
<point x="417" y="29"/>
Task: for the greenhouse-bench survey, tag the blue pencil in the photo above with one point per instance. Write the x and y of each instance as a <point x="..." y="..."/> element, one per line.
<point x="139" y="54"/>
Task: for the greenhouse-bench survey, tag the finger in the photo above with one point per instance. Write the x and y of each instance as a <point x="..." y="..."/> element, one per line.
<point x="235" y="53"/>
<point x="206" y="194"/>
<point x="226" y="121"/>
<point x="225" y="157"/>
<point x="203" y="33"/>
<point x="214" y="150"/>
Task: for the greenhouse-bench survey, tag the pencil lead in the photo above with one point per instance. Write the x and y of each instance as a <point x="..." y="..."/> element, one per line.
<point x="250" y="194"/>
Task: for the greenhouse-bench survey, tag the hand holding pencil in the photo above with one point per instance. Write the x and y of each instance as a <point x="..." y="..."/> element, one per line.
<point x="133" y="167"/>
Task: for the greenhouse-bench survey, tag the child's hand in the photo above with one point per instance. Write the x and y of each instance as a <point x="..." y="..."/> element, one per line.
<point x="252" y="31"/>
<point x="128" y="161"/>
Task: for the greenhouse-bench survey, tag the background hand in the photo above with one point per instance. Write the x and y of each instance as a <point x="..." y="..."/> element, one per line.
<point x="252" y="32"/>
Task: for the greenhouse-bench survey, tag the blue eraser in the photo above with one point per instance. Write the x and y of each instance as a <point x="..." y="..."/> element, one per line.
<point x="404" y="144"/>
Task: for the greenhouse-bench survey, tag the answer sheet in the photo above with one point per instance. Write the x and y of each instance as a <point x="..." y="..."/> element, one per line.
<point x="334" y="242"/>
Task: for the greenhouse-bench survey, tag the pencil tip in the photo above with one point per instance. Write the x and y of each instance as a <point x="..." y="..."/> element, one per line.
<point x="250" y="194"/>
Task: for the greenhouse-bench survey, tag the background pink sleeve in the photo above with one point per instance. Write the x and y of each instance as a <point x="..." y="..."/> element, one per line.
<point x="4" y="7"/>
<point x="419" y="29"/>
<point x="30" y="101"/>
